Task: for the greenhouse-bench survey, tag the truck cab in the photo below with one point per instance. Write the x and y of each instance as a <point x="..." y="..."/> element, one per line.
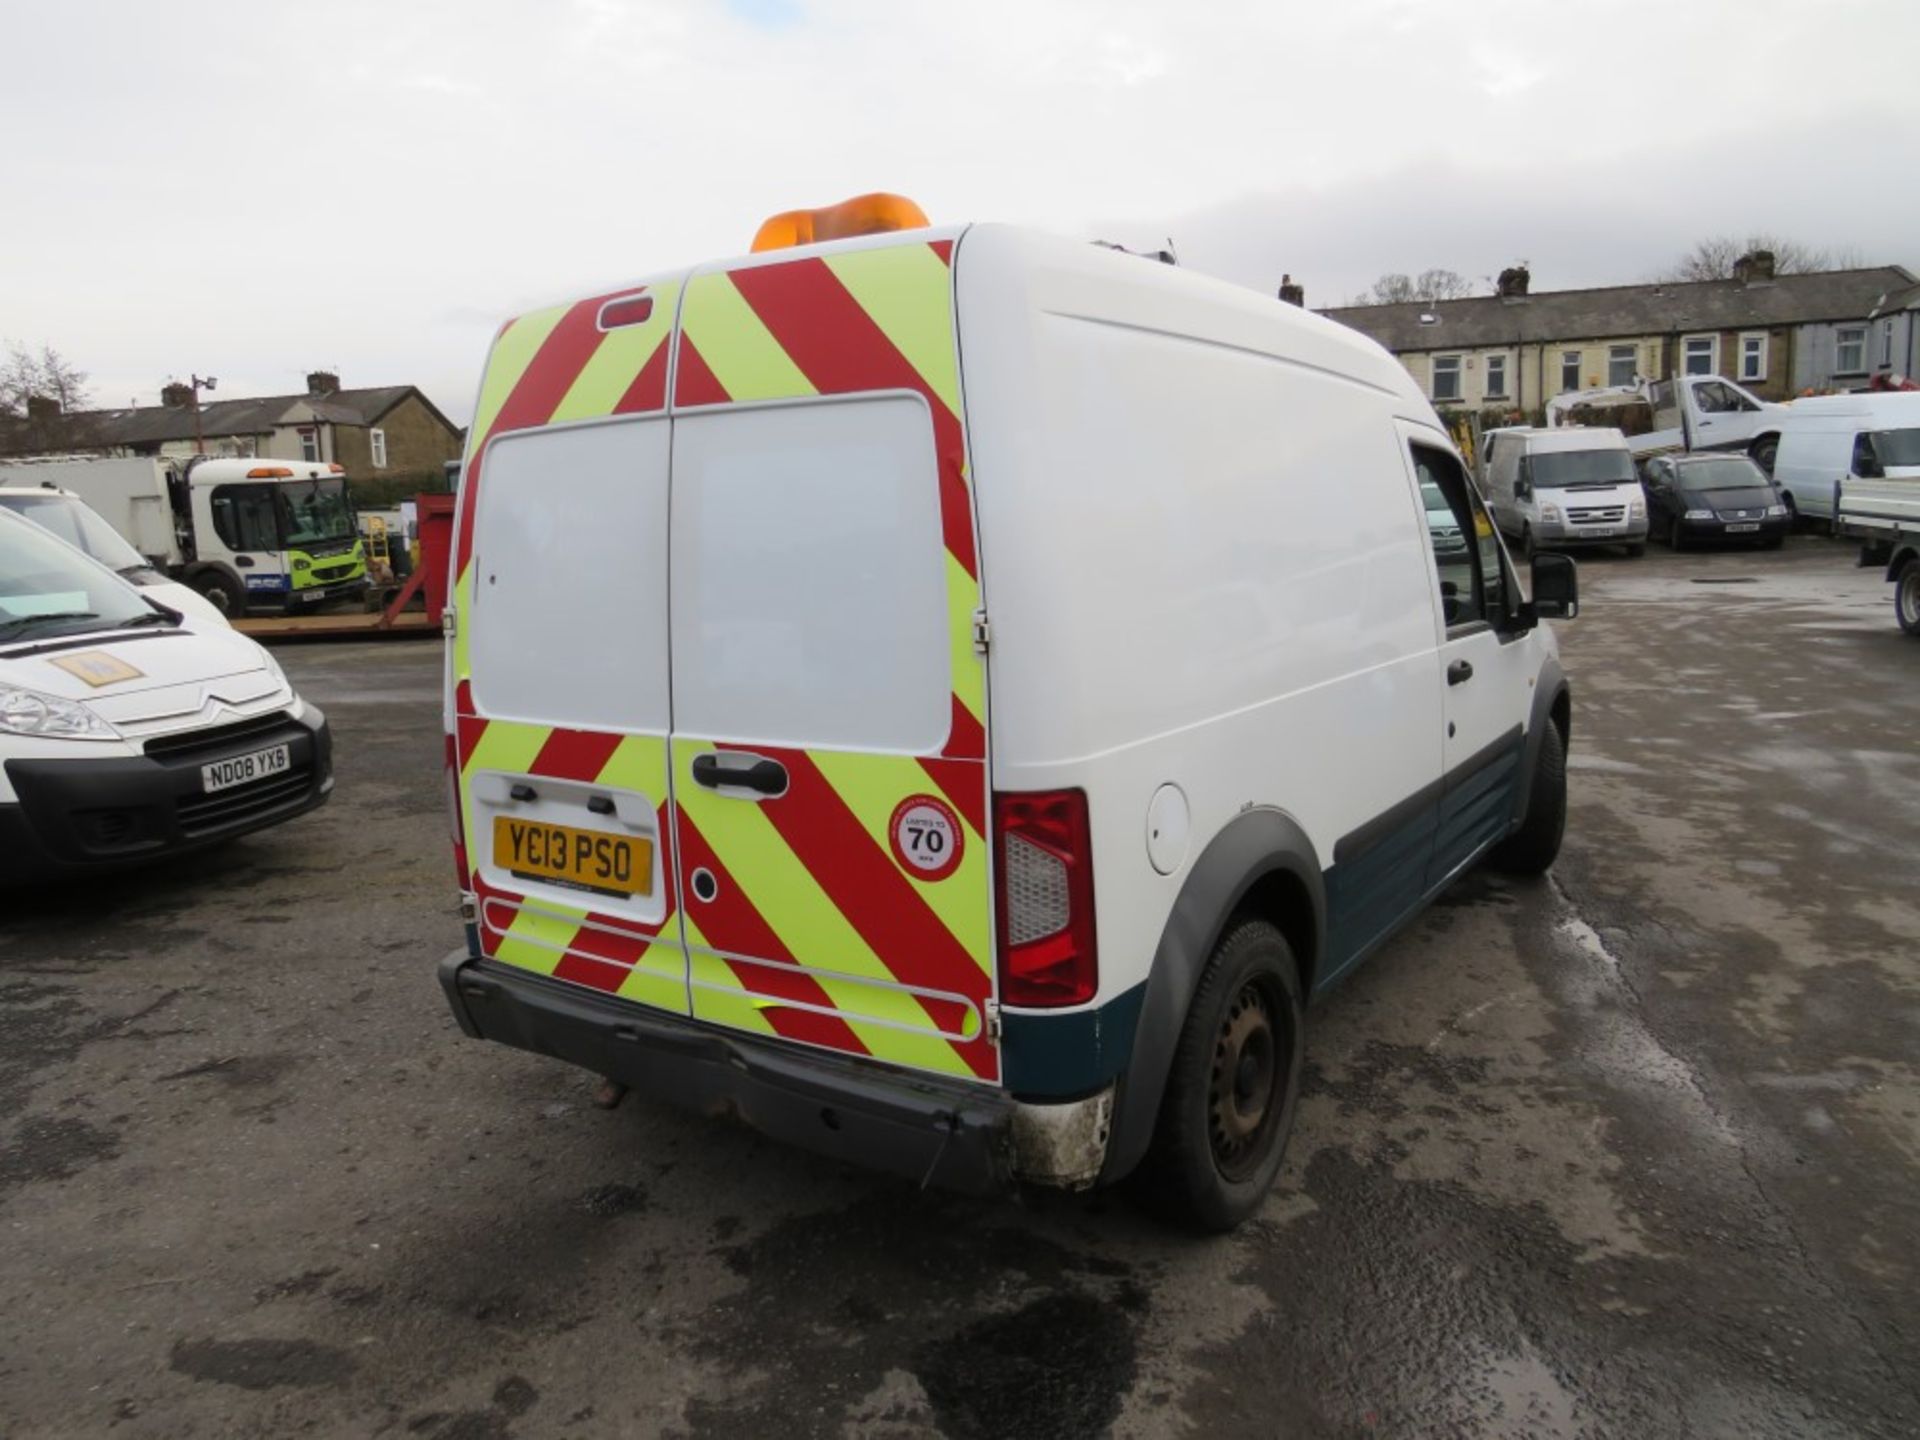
<point x="272" y="532"/>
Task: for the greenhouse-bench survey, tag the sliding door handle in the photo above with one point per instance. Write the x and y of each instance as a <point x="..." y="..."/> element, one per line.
<point x="740" y="772"/>
<point x="1459" y="672"/>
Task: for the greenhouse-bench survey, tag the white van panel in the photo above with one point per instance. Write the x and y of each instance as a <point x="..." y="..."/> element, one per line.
<point x="809" y="577"/>
<point x="570" y="541"/>
<point x="1176" y="593"/>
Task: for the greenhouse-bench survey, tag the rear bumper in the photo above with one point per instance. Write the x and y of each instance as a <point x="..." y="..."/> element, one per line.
<point x="90" y="816"/>
<point x="954" y="1135"/>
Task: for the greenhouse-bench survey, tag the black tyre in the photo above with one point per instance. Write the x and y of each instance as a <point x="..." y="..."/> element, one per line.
<point x="1532" y="849"/>
<point x="1906" y="597"/>
<point x="1764" y="452"/>
<point x="1676" y="537"/>
<point x="223" y="591"/>
<point x="1235" y="1081"/>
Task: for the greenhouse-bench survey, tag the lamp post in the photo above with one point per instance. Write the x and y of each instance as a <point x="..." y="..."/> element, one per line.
<point x="199" y="443"/>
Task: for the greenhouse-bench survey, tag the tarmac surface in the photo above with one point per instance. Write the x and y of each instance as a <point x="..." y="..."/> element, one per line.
<point x="1631" y="1151"/>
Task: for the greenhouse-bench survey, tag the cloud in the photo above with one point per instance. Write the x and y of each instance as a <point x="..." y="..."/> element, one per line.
<point x="464" y="158"/>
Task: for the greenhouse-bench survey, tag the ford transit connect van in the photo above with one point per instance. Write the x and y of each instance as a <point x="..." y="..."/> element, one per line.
<point x="953" y="697"/>
<point x="1565" y="488"/>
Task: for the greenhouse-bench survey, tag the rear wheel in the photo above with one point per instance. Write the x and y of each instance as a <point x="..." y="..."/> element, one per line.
<point x="1764" y="451"/>
<point x="1906" y="597"/>
<point x="1235" y="1081"/>
<point x="223" y="591"/>
<point x="1532" y="849"/>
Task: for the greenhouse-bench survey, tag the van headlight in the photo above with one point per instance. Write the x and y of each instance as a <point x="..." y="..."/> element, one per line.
<point x="1637" y="510"/>
<point x="48" y="717"/>
<point x="1699" y="514"/>
<point x="1550" y="512"/>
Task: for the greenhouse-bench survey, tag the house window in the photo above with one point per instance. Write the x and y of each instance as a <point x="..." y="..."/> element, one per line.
<point x="1702" y="354"/>
<point x="1570" y="370"/>
<point x="1446" y="377"/>
<point x="1623" y="363"/>
<point x="1753" y="357"/>
<point x="1496" y="377"/>
<point x="310" y="446"/>
<point x="1850" y="349"/>
<point x="378" y="440"/>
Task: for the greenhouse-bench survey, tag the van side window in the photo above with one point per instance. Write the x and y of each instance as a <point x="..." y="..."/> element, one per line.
<point x="1473" y="582"/>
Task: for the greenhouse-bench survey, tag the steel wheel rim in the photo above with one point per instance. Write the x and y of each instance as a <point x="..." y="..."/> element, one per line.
<point x="1908" y="595"/>
<point x="1245" y="1092"/>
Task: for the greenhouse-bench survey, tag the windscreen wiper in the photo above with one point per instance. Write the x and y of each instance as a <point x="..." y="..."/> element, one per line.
<point x="7" y="627"/>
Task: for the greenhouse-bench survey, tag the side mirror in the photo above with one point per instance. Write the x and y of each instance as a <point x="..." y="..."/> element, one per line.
<point x="1556" y="588"/>
<point x="1522" y="489"/>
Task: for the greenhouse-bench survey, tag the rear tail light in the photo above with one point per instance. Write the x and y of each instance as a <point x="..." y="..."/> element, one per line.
<point x="1045" y="899"/>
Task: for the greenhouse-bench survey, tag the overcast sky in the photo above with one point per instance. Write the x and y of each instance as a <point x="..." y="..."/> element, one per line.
<point x="255" y="189"/>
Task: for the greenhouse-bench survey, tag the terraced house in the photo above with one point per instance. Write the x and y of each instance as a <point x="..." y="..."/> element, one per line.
<point x="1776" y="334"/>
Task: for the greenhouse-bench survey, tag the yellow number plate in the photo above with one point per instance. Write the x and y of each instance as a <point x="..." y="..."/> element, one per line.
<point x="592" y="860"/>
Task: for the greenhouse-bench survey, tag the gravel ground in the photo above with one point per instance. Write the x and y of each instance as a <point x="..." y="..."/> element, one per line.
<point x="1631" y="1151"/>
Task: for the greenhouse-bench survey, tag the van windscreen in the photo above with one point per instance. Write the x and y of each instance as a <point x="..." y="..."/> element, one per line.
<point x="1558" y="469"/>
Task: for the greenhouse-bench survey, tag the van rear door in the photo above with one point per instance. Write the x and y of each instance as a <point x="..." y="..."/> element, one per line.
<point x="558" y="674"/>
<point x="829" y="745"/>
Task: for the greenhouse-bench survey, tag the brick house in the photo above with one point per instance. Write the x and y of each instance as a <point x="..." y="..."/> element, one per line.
<point x="391" y="437"/>
<point x="1516" y="349"/>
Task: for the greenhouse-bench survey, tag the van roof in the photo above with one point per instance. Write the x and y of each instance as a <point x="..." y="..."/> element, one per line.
<point x="1904" y="405"/>
<point x="1569" y="437"/>
<point x="1226" y="302"/>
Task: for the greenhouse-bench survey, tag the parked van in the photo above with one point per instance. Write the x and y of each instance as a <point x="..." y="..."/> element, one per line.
<point x="129" y="731"/>
<point x="74" y="521"/>
<point x="1829" y="439"/>
<point x="1041" y="672"/>
<point x="1560" y="489"/>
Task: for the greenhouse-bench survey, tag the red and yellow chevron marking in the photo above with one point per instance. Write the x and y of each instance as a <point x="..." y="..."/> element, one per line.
<point x="615" y="953"/>
<point x="865" y="320"/>
<point x="556" y="365"/>
<point x="817" y="927"/>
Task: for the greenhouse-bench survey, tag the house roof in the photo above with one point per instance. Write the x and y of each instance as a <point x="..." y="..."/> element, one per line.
<point x="150" y="424"/>
<point x="1651" y="309"/>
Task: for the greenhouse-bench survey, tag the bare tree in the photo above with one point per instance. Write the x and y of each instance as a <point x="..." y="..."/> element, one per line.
<point x="1714" y="257"/>
<point x="48" y="375"/>
<point x="1398" y="289"/>
<point x="39" y="395"/>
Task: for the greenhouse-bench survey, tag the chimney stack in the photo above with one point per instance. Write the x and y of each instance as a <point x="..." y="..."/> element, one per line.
<point x="1291" y="293"/>
<point x="1513" y="282"/>
<point x="322" y="382"/>
<point x="176" y="396"/>
<point x="42" y="407"/>
<point x="1754" y="268"/>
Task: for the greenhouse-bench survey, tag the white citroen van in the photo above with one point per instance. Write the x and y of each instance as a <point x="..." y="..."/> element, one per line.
<point x="998" y="684"/>
<point x="130" y="731"/>
<point x="1566" y="488"/>
<point x="1828" y="439"/>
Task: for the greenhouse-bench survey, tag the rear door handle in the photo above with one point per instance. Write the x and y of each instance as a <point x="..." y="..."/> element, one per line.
<point x="1459" y="672"/>
<point x="743" y="772"/>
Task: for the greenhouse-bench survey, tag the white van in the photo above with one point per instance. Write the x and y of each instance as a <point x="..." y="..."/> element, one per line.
<point x="1004" y="681"/>
<point x="128" y="731"/>
<point x="70" y="517"/>
<point x="1564" y="488"/>
<point x="1828" y="439"/>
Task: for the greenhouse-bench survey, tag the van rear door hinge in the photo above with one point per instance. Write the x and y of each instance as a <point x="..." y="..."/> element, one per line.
<point x="982" y="632"/>
<point x="449" y="625"/>
<point x="993" y="1022"/>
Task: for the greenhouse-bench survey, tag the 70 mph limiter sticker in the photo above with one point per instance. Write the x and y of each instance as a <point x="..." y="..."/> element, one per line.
<point x="927" y="837"/>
